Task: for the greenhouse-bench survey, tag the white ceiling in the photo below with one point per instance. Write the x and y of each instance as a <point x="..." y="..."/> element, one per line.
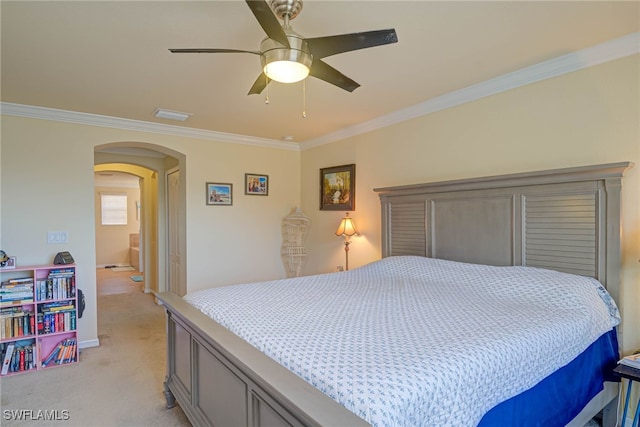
<point x="111" y="58"/>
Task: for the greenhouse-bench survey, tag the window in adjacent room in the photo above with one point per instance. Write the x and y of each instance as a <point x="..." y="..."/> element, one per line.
<point x="114" y="209"/>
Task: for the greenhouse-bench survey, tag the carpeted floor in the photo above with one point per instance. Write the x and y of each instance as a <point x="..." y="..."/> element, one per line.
<point x="118" y="383"/>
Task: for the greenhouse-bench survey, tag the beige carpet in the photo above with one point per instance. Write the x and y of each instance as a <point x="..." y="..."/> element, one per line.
<point x="118" y="383"/>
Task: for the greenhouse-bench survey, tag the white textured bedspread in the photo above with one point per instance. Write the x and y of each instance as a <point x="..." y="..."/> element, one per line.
<point x="408" y="341"/>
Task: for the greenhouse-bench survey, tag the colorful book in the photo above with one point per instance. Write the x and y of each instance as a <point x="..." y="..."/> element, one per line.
<point x="61" y="353"/>
<point x="66" y="352"/>
<point x="71" y="355"/>
<point x="52" y="355"/>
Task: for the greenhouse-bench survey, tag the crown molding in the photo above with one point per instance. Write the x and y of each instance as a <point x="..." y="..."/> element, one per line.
<point x="598" y="54"/>
<point x="589" y="57"/>
<point x="44" y="113"/>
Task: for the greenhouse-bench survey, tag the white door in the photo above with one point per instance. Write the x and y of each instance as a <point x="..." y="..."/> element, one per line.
<point x="173" y="227"/>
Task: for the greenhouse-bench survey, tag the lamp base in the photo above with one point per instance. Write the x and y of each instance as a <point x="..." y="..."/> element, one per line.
<point x="346" y="254"/>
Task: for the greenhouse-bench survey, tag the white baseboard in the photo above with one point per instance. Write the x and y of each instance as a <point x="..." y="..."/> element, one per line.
<point x="89" y="343"/>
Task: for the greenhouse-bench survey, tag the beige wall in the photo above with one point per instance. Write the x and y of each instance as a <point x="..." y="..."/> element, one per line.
<point x="586" y="117"/>
<point x="50" y="165"/>
<point x="582" y="118"/>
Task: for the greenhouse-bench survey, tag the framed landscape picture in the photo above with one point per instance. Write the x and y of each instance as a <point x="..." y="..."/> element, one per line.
<point x="338" y="188"/>
<point x="219" y="194"/>
<point x="256" y="184"/>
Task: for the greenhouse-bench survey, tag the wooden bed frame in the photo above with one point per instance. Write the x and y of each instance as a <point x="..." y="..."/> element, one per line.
<point x="566" y="220"/>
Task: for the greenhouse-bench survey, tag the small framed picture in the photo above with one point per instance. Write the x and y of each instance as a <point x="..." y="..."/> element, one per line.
<point x="338" y="188"/>
<point x="256" y="184"/>
<point x="219" y="194"/>
<point x="10" y="264"/>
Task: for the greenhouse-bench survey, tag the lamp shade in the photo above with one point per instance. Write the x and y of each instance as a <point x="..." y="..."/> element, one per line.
<point x="347" y="227"/>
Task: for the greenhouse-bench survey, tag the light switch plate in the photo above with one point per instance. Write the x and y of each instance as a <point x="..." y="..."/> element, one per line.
<point x="55" y="237"/>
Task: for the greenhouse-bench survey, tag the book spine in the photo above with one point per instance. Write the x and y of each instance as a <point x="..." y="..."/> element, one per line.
<point x="71" y="356"/>
<point x="67" y="352"/>
<point x="42" y="290"/>
<point x="52" y="355"/>
<point x="7" y="359"/>
<point x="29" y="357"/>
<point x="40" y="320"/>
<point x="63" y="351"/>
<point x="15" y="360"/>
<point x="49" y="288"/>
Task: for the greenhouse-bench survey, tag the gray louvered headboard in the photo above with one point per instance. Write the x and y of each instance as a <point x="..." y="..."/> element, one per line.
<point x="563" y="219"/>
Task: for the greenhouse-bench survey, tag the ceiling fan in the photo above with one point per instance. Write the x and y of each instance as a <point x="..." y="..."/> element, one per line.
<point x="288" y="57"/>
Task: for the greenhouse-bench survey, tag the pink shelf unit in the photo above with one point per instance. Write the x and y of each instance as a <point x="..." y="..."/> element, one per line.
<point x="38" y="318"/>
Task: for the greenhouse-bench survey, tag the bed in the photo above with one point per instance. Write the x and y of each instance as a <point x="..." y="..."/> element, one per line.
<point x="559" y="226"/>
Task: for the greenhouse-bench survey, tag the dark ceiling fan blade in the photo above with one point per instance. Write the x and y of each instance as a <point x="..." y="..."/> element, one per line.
<point x="326" y="72"/>
<point x="258" y="85"/>
<point x="213" y="51"/>
<point x="321" y="47"/>
<point x="268" y="21"/>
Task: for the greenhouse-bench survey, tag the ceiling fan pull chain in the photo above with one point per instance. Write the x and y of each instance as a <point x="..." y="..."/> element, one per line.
<point x="304" y="98"/>
<point x="266" y="78"/>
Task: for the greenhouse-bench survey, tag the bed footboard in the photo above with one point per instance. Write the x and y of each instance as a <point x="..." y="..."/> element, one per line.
<point x="219" y="379"/>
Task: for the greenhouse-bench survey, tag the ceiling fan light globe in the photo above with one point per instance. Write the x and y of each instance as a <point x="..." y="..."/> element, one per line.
<point x="286" y="71"/>
<point x="286" y="65"/>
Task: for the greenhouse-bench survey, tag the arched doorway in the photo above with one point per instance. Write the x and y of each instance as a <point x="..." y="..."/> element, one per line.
<point x="152" y="163"/>
<point x="125" y="243"/>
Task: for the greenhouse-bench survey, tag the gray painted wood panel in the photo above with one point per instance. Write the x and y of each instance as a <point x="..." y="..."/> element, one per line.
<point x="561" y="232"/>
<point x="182" y="359"/>
<point x="223" y="398"/>
<point x="408" y="225"/>
<point x="564" y="219"/>
<point x="270" y="413"/>
<point x="477" y="230"/>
